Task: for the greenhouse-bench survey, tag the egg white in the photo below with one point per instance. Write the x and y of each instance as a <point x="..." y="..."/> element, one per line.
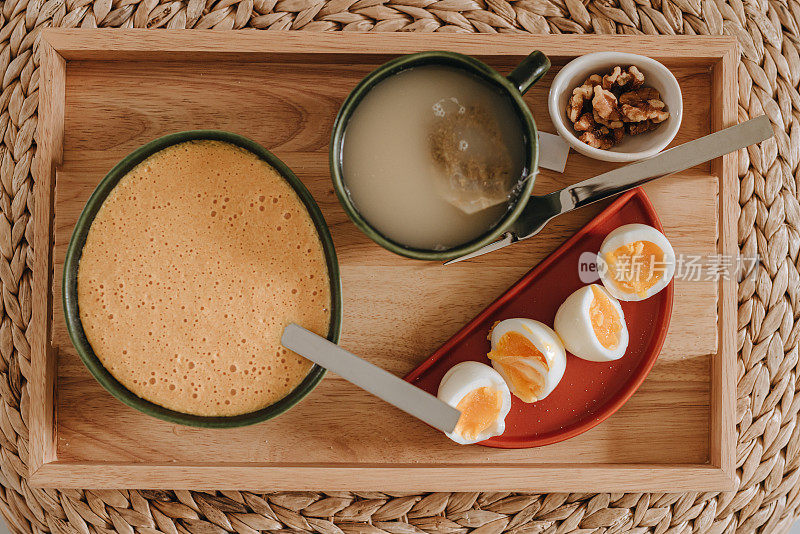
<point x="545" y="340"/>
<point x="628" y="234"/>
<point x="574" y="326"/>
<point x="465" y="377"/>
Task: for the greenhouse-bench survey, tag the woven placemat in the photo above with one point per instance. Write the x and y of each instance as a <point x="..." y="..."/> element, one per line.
<point x="768" y="451"/>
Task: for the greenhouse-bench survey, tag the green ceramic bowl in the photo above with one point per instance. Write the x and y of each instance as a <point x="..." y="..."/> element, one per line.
<point x="70" y="284"/>
<point x="513" y="86"/>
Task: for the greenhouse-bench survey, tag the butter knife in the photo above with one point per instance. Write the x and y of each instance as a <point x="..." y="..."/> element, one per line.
<point x="541" y="208"/>
<point x="384" y="385"/>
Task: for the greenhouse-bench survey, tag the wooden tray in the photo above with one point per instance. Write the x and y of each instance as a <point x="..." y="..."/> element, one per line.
<point x="105" y="92"/>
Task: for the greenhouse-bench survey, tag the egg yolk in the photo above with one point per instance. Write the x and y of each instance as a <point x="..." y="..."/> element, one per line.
<point x="636" y="267"/>
<point x="511" y="353"/>
<point x="605" y="319"/>
<point x="479" y="410"/>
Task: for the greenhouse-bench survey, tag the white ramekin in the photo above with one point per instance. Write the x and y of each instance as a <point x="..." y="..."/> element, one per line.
<point x="632" y="147"/>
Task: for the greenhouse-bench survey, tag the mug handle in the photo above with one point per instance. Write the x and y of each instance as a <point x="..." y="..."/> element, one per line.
<point x="529" y="71"/>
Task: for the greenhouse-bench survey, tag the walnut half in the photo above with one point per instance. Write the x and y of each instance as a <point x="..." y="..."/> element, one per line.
<point x="582" y="97"/>
<point x="643" y="104"/>
<point x="597" y="135"/>
<point x="605" y="108"/>
<point x="602" y="138"/>
<point x="623" y="80"/>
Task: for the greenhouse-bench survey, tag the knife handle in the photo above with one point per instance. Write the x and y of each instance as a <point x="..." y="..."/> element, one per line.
<point x="384" y="385"/>
<point x="670" y="161"/>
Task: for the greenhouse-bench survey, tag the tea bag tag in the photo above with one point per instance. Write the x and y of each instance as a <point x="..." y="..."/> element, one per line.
<point x="553" y="152"/>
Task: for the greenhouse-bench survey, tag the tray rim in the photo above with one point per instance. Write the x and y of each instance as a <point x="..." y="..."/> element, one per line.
<point x="58" y="46"/>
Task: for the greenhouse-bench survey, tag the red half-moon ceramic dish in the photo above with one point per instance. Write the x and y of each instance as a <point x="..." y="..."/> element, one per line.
<point x="590" y="392"/>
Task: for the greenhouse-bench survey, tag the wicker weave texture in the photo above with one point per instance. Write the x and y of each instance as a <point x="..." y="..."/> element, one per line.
<point x="768" y="454"/>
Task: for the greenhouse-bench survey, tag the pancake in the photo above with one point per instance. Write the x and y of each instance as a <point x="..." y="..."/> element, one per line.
<point x="194" y="264"/>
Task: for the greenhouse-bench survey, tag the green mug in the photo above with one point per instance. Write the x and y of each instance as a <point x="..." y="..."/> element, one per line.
<point x="528" y="72"/>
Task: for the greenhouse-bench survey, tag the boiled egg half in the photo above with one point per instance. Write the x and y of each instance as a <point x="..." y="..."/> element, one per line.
<point x="591" y="325"/>
<point x="635" y="262"/>
<point x="529" y="356"/>
<point x="482" y="397"/>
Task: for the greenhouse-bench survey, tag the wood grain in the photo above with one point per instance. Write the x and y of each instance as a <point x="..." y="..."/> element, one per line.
<point x="723" y="391"/>
<point x="209" y="45"/>
<point x="397" y="311"/>
<point x="400" y="478"/>
<point x="49" y="136"/>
